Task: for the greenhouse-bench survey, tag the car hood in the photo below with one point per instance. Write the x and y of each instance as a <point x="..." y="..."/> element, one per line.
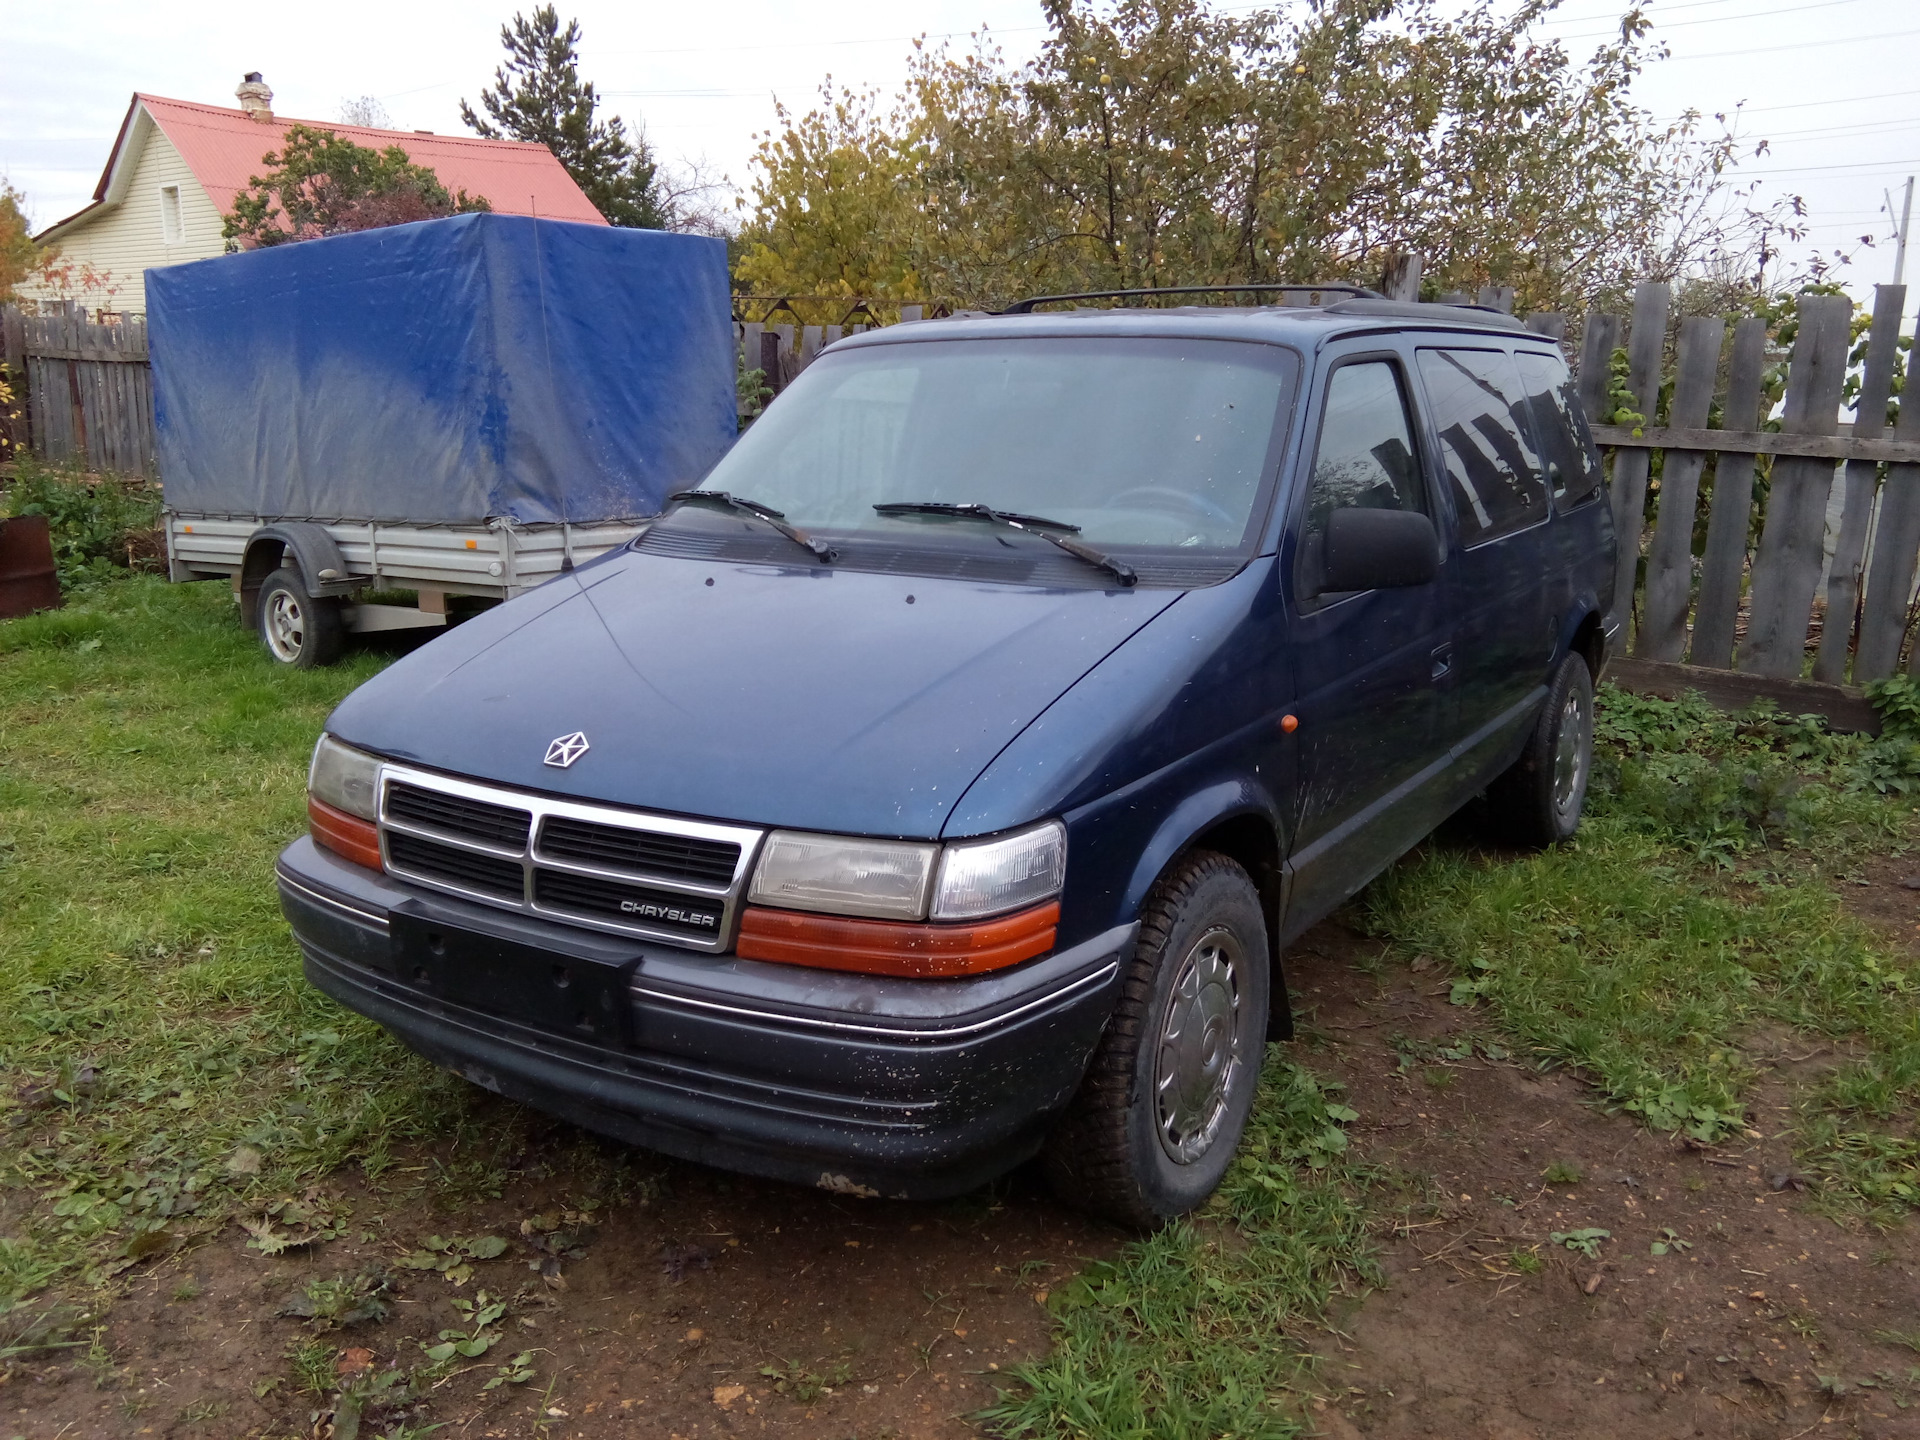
<point x="819" y="699"/>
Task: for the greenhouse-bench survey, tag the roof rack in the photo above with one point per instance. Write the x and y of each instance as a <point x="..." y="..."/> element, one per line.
<point x="1357" y="292"/>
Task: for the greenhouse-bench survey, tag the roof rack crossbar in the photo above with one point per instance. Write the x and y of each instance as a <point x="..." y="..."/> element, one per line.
<point x="1357" y="292"/>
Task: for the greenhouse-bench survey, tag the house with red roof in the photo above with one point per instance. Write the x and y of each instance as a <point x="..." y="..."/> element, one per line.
<point x="176" y="166"/>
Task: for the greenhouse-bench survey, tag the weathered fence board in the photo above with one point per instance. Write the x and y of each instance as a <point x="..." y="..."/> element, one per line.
<point x="1858" y="479"/>
<point x="1646" y="346"/>
<point x="1724" y="562"/>
<point x="89" y="390"/>
<point x="1786" y="568"/>
<point x="1663" y="625"/>
<point x="1892" y="554"/>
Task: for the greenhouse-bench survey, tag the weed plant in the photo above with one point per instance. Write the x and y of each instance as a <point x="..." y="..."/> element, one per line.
<point x="93" y="519"/>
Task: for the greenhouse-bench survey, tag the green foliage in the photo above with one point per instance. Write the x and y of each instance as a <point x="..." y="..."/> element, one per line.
<point x="19" y="256"/>
<point x="1156" y="142"/>
<point x="538" y="96"/>
<point x="1582" y="1242"/>
<point x="1194" y="1331"/>
<point x="92" y="519"/>
<point x="321" y="184"/>
<point x="752" y="391"/>
<point x="1620" y="399"/>
<point x="343" y="1301"/>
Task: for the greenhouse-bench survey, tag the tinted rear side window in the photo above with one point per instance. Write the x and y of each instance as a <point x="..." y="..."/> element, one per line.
<point x="1572" y="470"/>
<point x="1478" y="403"/>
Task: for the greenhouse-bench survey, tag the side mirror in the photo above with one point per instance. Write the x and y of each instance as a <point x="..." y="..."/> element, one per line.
<point x="1378" y="550"/>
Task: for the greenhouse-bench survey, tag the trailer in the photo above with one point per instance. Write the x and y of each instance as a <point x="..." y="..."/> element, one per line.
<point x="466" y="407"/>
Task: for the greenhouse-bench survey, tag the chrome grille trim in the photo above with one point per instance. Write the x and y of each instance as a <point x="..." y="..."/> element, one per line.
<point x="532" y="857"/>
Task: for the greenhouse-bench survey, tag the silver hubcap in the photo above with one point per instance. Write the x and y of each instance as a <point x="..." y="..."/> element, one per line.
<point x="1200" y="1042"/>
<point x="1571" y="751"/>
<point x="286" y="626"/>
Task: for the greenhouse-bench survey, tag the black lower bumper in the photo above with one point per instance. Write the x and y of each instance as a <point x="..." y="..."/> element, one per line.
<point x="856" y="1083"/>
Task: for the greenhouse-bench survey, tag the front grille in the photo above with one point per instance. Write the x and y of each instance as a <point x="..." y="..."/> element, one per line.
<point x="595" y="866"/>
<point x="633" y="904"/>
<point x="497" y="825"/>
<point x="463" y="869"/>
<point x="614" y="847"/>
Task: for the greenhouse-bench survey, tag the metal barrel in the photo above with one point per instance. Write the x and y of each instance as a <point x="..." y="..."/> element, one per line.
<point x="28" y="581"/>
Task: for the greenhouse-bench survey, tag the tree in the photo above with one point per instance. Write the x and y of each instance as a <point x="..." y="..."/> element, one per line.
<point x="319" y="184"/>
<point x="1157" y="142"/>
<point x="366" y="111"/>
<point x="538" y="96"/>
<point x="19" y="256"/>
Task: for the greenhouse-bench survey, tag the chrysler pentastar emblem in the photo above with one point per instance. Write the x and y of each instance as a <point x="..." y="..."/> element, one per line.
<point x="567" y="749"/>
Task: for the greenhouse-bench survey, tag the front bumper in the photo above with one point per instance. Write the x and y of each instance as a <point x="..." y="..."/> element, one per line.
<point x="908" y="1088"/>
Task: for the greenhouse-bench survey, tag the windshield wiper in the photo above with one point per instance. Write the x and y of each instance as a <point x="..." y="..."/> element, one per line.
<point x="822" y="551"/>
<point x="1028" y="524"/>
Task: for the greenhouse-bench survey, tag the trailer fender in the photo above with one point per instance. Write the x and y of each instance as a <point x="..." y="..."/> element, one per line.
<point x="323" y="570"/>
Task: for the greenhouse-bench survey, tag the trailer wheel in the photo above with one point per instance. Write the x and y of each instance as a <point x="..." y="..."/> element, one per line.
<point x="296" y="628"/>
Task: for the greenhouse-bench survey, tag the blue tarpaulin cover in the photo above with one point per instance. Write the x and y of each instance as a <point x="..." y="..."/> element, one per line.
<point x="450" y="371"/>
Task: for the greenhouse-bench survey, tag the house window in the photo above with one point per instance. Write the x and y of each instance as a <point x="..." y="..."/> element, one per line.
<point x="171" y="231"/>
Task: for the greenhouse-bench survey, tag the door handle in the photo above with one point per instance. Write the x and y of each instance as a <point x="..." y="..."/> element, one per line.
<point x="1443" y="661"/>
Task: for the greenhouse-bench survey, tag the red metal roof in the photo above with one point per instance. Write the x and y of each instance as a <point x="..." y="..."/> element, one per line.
<point x="224" y="147"/>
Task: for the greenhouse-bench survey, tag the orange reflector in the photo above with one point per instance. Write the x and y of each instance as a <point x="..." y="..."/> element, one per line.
<point x="473" y="544"/>
<point x="348" y="836"/>
<point x="890" y="947"/>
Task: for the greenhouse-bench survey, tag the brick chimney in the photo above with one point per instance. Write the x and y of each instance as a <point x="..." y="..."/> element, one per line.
<point x="255" y="98"/>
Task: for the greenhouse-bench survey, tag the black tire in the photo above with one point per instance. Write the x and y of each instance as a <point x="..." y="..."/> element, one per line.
<point x="296" y="628"/>
<point x="1117" y="1151"/>
<point x="1537" y="802"/>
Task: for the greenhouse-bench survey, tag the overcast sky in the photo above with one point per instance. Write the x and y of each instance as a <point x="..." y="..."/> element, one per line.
<point x="1823" y="79"/>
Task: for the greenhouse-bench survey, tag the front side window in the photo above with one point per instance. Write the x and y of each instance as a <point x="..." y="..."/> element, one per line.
<point x="1573" y="472"/>
<point x="1365" y="459"/>
<point x="1478" y="405"/>
<point x="1149" y="447"/>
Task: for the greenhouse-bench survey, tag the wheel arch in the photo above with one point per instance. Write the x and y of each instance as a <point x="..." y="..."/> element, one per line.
<point x="323" y="570"/>
<point x="1238" y="820"/>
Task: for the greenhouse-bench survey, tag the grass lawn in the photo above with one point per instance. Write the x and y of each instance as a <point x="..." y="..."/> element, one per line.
<point x="164" y="1068"/>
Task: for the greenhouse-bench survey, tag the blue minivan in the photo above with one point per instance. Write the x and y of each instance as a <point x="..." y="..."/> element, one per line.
<point x="942" y="782"/>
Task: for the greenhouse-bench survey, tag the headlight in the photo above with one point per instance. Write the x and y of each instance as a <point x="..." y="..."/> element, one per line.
<point x="842" y="875"/>
<point x="344" y="778"/>
<point x="987" y="877"/>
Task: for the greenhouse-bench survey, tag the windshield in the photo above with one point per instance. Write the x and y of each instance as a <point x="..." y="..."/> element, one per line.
<point x="1140" y="443"/>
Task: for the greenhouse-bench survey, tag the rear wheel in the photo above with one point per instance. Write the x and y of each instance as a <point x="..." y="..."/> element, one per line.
<point x="297" y="628"/>
<point x="1538" y="801"/>
<point x="1160" y="1113"/>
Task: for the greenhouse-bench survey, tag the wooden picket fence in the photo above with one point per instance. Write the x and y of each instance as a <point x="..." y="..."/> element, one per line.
<point x="88" y="387"/>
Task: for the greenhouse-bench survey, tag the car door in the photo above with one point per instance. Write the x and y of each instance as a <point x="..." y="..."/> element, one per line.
<point x="1497" y="577"/>
<point x="1371" y="667"/>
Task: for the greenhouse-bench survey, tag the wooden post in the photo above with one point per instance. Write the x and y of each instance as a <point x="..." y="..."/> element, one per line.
<point x="1497" y="297"/>
<point x="1663" y="612"/>
<point x="1401" y="281"/>
<point x="1724" y="564"/>
<point x="1896" y="539"/>
<point x="911" y="312"/>
<point x="1456" y="297"/>
<point x="1548" y="323"/>
<point x="1859" y="478"/>
<point x="1786" y="569"/>
<point x="1646" y="346"/>
<point x="810" y="339"/>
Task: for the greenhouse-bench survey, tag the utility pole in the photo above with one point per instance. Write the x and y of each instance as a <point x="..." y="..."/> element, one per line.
<point x="1900" y="245"/>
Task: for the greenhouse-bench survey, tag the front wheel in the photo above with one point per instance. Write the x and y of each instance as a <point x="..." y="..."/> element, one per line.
<point x="1157" y="1119"/>
<point x="1538" y="801"/>
<point x="297" y="628"/>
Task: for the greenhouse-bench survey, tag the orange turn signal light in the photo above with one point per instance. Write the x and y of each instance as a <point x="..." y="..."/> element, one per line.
<point x="348" y="836"/>
<point x="891" y="947"/>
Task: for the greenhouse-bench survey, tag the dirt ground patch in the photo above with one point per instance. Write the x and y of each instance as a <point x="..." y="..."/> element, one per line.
<point x="707" y="1305"/>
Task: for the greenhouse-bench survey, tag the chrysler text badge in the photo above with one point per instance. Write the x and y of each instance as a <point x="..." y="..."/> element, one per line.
<point x="567" y="749"/>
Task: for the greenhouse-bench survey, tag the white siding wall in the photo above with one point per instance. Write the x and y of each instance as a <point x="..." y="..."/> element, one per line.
<point x="123" y="241"/>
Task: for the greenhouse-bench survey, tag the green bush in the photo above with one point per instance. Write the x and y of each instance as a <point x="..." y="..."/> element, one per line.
<point x="94" y="520"/>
